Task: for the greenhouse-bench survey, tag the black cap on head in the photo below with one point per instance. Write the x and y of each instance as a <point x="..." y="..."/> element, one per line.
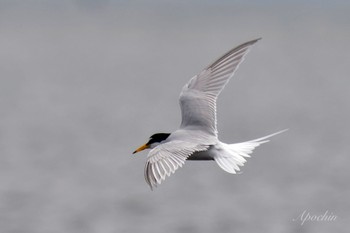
<point x="158" y="137"/>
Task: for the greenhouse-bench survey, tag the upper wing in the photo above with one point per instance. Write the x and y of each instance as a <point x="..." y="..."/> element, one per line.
<point x="166" y="158"/>
<point x="198" y="96"/>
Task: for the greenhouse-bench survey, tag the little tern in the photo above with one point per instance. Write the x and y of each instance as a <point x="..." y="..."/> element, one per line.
<point x="197" y="136"/>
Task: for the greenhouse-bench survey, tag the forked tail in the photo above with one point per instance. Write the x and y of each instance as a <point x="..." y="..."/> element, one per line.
<point x="233" y="155"/>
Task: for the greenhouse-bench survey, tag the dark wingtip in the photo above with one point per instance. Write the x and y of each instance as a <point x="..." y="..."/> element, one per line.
<point x="254" y="41"/>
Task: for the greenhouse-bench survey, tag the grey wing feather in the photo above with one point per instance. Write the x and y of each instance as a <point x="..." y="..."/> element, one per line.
<point x="166" y="158"/>
<point x="198" y="96"/>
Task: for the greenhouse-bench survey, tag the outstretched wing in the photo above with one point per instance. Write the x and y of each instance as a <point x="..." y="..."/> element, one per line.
<point x="166" y="158"/>
<point x="198" y="96"/>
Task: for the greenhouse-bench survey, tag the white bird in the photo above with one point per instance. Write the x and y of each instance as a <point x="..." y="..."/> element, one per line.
<point x="197" y="137"/>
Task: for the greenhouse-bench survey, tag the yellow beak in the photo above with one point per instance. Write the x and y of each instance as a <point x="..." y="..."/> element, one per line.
<point x="141" y="148"/>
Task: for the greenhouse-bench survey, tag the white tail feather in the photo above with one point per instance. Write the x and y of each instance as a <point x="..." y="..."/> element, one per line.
<point x="233" y="155"/>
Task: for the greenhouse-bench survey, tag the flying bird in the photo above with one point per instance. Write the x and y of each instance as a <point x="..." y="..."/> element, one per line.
<point x="197" y="136"/>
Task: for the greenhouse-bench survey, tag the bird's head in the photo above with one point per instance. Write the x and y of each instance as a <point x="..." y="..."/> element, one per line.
<point x="153" y="141"/>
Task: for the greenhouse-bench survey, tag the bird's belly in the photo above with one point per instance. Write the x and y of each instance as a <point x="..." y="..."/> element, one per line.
<point x="202" y="155"/>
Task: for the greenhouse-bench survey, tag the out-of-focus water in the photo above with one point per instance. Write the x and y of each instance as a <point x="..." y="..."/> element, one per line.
<point x="82" y="84"/>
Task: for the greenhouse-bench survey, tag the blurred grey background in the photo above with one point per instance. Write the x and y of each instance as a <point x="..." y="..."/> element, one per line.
<point x="83" y="83"/>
